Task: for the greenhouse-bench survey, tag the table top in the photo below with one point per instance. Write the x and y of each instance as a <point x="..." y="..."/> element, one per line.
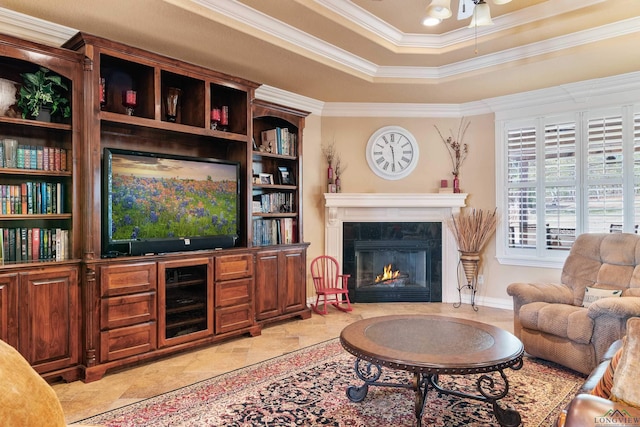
<point x="432" y="344"/>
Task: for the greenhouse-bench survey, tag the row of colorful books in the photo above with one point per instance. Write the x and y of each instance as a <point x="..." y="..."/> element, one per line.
<point x="38" y="158"/>
<point x="34" y="244"/>
<point x="279" y="141"/>
<point x="274" y="231"/>
<point x="32" y="198"/>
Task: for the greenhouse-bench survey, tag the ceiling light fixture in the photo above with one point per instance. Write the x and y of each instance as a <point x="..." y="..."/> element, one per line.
<point x="478" y="10"/>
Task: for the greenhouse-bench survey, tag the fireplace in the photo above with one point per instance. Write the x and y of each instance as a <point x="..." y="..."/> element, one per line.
<point x="434" y="253"/>
<point x="393" y="262"/>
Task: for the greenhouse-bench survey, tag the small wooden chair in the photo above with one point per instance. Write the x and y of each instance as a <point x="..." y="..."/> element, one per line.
<point x="330" y="284"/>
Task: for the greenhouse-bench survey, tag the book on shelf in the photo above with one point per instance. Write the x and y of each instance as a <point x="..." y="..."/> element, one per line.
<point x="34" y="244"/>
<point x="32" y="198"/>
<point x="273" y="231"/>
<point x="39" y="158"/>
<point x="275" y="202"/>
<point x="279" y="141"/>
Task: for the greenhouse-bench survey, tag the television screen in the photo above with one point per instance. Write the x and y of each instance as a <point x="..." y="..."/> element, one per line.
<point x="156" y="198"/>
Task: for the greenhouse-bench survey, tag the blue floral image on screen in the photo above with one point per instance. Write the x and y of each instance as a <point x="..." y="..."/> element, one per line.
<point x="155" y="198"/>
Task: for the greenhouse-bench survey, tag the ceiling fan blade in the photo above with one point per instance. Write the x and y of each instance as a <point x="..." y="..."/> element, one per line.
<point x="465" y="9"/>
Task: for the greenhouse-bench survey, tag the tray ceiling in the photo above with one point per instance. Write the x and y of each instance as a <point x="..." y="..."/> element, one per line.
<point x="371" y="50"/>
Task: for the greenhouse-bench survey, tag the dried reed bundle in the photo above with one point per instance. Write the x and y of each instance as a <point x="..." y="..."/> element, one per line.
<point x="473" y="229"/>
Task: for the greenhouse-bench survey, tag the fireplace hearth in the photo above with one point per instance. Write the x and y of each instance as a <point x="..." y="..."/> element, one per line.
<point x="367" y="208"/>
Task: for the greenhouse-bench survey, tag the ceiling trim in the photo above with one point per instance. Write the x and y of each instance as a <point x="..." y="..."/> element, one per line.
<point x="316" y="47"/>
<point x="45" y="32"/>
<point x="34" y="29"/>
<point x="283" y="97"/>
<point x="624" y="88"/>
<point x="390" y="34"/>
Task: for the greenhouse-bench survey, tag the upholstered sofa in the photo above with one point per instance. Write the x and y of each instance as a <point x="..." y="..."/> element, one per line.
<point x="27" y="399"/>
<point x="558" y="322"/>
<point x="611" y="393"/>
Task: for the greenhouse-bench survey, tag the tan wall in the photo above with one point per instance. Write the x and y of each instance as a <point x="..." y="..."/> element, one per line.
<point x="477" y="177"/>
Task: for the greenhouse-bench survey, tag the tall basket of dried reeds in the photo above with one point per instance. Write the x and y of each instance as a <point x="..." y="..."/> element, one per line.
<point x="472" y="229"/>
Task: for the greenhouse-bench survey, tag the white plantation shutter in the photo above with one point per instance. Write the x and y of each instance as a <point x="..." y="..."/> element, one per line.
<point x="567" y="175"/>
<point x="636" y="170"/>
<point x="604" y="174"/>
<point x="521" y="183"/>
<point x="560" y="183"/>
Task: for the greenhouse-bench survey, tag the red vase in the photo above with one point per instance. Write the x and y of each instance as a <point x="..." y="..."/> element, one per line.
<point x="456" y="184"/>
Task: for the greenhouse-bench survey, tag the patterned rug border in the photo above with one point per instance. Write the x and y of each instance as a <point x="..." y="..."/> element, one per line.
<point x="254" y="366"/>
<point x="227" y="391"/>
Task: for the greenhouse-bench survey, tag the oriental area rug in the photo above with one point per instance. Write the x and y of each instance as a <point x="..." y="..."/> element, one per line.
<point x="308" y="388"/>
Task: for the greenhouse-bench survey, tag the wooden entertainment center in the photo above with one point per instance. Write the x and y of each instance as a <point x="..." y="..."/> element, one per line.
<point x="76" y="317"/>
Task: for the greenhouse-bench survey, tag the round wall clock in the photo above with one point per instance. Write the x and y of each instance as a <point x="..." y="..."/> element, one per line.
<point x="392" y="152"/>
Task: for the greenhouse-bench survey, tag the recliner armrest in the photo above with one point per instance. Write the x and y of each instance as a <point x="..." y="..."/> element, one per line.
<point x="620" y="307"/>
<point x="526" y="293"/>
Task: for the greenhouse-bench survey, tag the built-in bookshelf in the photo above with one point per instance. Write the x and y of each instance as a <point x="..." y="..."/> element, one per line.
<point x="276" y="168"/>
<point x="39" y="213"/>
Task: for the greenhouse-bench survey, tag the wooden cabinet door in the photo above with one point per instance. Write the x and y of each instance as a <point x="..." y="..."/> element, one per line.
<point x="9" y="309"/>
<point x="292" y="278"/>
<point x="267" y="298"/>
<point x="49" y="333"/>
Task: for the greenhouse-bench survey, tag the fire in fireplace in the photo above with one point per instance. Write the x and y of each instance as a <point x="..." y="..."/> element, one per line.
<point x="390" y="277"/>
<point x="391" y="262"/>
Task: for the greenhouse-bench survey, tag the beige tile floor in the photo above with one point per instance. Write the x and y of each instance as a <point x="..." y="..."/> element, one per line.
<point x="116" y="389"/>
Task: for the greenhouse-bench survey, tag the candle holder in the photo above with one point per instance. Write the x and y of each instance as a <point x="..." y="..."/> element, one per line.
<point x="224" y="117"/>
<point x="129" y="100"/>
<point x="103" y="93"/>
<point x="171" y="103"/>
<point x="215" y="118"/>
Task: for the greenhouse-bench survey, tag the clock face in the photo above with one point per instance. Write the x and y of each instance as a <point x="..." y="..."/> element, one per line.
<point x="392" y="152"/>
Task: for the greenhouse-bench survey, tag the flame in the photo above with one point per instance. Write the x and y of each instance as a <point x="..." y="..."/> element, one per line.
<point x="387" y="274"/>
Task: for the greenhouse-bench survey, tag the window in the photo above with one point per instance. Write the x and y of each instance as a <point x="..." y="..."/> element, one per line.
<point x="565" y="175"/>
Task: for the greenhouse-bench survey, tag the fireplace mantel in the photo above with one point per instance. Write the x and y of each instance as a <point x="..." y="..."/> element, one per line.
<point x="396" y="207"/>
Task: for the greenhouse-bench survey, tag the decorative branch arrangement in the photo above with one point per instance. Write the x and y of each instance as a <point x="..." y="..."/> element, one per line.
<point x="329" y="152"/>
<point x="473" y="229"/>
<point x="458" y="150"/>
<point x="340" y="168"/>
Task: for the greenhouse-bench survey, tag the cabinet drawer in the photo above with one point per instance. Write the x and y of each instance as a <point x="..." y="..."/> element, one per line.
<point x="127" y="279"/>
<point x="233" y="318"/>
<point x="127" y="310"/>
<point x="233" y="292"/>
<point x="128" y="341"/>
<point x="230" y="267"/>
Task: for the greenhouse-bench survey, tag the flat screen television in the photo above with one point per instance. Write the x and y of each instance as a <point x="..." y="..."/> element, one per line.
<point x="155" y="203"/>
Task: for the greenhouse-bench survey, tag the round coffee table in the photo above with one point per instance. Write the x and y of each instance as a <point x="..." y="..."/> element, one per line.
<point x="431" y="345"/>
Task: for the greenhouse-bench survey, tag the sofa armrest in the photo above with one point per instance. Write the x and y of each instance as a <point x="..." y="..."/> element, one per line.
<point x="622" y="307"/>
<point x="588" y="410"/>
<point x="524" y="293"/>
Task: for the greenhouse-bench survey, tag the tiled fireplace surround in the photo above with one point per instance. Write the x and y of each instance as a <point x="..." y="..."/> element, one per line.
<point x="396" y="207"/>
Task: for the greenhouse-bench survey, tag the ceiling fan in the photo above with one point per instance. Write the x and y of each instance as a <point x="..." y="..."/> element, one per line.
<point x="478" y="10"/>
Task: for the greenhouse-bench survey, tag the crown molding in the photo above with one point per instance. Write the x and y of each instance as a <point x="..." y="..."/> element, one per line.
<point x="611" y="90"/>
<point x="390" y="34"/>
<point x="34" y="29"/>
<point x="45" y="32"/>
<point x="615" y="90"/>
<point x="283" y="97"/>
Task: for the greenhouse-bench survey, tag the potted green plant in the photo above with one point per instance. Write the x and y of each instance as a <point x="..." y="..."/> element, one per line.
<point x="43" y="90"/>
